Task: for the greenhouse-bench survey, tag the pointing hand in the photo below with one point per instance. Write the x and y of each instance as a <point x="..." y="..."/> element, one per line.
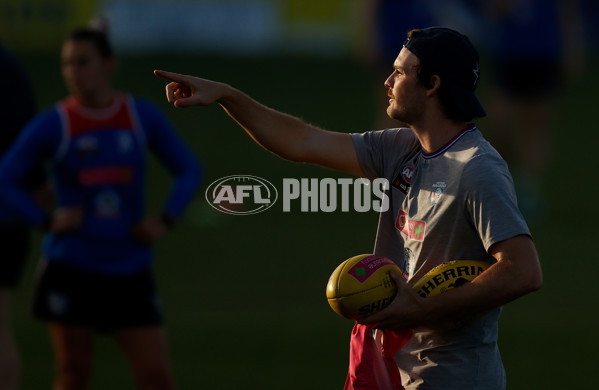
<point x="186" y="91"/>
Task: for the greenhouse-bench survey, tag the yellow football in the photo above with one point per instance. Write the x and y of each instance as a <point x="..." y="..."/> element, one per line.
<point x="361" y="286"/>
<point x="449" y="275"/>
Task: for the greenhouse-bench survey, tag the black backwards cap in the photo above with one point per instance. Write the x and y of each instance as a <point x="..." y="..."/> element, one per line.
<point x="452" y="56"/>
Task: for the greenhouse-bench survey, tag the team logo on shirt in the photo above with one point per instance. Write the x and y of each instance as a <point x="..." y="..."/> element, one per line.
<point x="404" y="178"/>
<point x="107" y="204"/>
<point x="437" y="191"/>
<point x="413" y="229"/>
<point x="124" y="142"/>
<point x="407" y="172"/>
<point x="86" y="146"/>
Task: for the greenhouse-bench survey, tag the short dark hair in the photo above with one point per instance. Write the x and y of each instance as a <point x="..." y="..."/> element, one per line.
<point x="451" y="56"/>
<point x="451" y="110"/>
<point x="97" y="37"/>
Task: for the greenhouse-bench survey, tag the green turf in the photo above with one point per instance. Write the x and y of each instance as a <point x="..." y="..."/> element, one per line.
<point x="244" y="295"/>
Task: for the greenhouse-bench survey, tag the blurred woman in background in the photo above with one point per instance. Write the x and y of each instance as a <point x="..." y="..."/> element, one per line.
<point x="96" y="274"/>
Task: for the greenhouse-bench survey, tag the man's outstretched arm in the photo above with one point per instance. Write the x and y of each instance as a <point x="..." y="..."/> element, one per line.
<point x="280" y="133"/>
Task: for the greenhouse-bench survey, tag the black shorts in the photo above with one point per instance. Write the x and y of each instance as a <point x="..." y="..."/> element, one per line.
<point x="104" y="302"/>
<point x="14" y="244"/>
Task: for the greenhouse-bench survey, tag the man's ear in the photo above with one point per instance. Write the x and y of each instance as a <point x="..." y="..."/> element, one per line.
<point x="434" y="84"/>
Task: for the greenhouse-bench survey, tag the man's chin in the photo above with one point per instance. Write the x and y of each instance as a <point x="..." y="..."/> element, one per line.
<point x="390" y="111"/>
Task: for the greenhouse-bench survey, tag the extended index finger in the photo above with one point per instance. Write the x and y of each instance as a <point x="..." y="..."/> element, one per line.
<point x="171" y="76"/>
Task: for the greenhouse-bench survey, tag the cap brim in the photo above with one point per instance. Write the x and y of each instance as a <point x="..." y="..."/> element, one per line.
<point x="467" y="101"/>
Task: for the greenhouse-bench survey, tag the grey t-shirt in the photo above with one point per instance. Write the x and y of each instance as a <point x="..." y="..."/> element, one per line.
<point x="448" y="205"/>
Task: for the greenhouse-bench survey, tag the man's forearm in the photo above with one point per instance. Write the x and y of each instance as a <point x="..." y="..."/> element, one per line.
<point x="278" y="132"/>
<point x="516" y="273"/>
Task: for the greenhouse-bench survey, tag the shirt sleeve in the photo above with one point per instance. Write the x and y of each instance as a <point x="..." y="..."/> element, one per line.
<point x="36" y="144"/>
<point x="491" y="201"/>
<point x="173" y="153"/>
<point x="379" y="151"/>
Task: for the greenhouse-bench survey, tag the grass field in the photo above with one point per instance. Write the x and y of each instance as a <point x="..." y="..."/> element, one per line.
<point x="244" y="295"/>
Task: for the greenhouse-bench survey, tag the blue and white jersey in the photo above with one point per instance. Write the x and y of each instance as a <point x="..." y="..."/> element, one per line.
<point x="98" y="162"/>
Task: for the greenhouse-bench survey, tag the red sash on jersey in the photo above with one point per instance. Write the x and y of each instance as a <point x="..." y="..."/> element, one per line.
<point x="81" y="119"/>
<point x="371" y="364"/>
